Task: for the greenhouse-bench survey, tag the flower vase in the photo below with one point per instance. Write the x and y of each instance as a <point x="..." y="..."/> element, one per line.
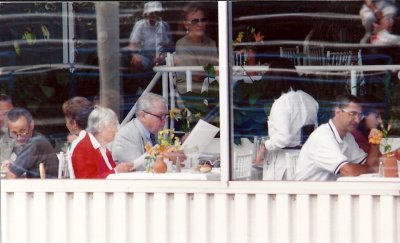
<point x="390" y="165"/>
<point x="159" y="165"/>
<point x="148" y="165"/>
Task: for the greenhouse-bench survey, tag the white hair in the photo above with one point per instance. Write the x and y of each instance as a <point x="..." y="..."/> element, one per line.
<point x="100" y="118"/>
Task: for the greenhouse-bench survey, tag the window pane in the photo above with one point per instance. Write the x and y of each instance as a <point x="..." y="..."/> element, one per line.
<point x="110" y="53"/>
<point x="325" y="40"/>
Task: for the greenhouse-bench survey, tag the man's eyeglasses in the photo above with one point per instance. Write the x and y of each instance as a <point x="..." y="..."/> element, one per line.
<point x="354" y="114"/>
<point x="198" y="21"/>
<point x="162" y="117"/>
<point x="22" y="133"/>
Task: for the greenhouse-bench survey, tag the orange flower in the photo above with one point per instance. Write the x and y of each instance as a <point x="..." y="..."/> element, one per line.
<point x="375" y="136"/>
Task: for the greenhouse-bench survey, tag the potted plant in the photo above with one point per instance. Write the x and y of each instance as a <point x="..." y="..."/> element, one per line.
<point x="389" y="160"/>
<point x="166" y="142"/>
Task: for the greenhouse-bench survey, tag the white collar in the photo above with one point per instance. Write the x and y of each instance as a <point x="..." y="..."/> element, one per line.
<point x="94" y="141"/>
<point x="335" y="131"/>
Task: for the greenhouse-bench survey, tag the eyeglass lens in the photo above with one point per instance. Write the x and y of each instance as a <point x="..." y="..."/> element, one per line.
<point x="197" y="21"/>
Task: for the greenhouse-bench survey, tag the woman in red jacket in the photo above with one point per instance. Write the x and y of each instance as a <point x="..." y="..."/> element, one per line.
<point x="90" y="157"/>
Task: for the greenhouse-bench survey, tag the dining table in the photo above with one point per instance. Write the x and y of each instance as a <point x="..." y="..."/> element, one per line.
<point x="184" y="174"/>
<point x="370" y="177"/>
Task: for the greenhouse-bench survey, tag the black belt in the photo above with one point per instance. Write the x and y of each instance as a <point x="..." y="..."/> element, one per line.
<point x="297" y="147"/>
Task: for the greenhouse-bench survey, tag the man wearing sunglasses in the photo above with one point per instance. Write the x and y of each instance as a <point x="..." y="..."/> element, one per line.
<point x="150" y="38"/>
<point x="331" y="151"/>
<point x="36" y="148"/>
<point x="129" y="144"/>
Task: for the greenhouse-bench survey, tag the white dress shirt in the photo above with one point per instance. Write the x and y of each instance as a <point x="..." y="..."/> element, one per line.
<point x="289" y="113"/>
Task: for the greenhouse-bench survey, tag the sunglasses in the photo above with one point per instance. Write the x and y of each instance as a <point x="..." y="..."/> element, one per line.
<point x="198" y="21"/>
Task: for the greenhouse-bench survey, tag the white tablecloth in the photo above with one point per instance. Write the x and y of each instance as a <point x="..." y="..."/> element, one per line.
<point x="185" y="174"/>
<point x="369" y="178"/>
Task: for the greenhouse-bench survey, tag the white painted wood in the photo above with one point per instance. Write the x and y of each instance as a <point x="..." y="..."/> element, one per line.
<point x="222" y="219"/>
<point x="303" y="219"/>
<point x="366" y="222"/>
<point x="39" y="230"/>
<point x="263" y="219"/>
<point x="119" y="218"/>
<point x="345" y="218"/>
<point x="141" y="217"/>
<point x="160" y="228"/>
<point x="199" y="212"/>
<point x="181" y="218"/>
<point x="5" y="208"/>
<point x="224" y="87"/>
<point x="98" y="225"/>
<point x="241" y="232"/>
<point x="388" y="220"/>
<point x="80" y="217"/>
<point x="19" y="217"/>
<point x="323" y="220"/>
<point x="283" y="218"/>
<point x="200" y="224"/>
<point x="60" y="215"/>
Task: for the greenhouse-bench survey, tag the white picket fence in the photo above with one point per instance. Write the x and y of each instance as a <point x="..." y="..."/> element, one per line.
<point x="47" y="211"/>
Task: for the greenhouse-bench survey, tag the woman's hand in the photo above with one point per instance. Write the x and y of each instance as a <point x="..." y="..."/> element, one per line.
<point x="124" y="167"/>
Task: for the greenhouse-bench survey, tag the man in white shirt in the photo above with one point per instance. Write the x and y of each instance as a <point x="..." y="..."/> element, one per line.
<point x="383" y="33"/>
<point x="289" y="114"/>
<point x="374" y="10"/>
<point x="331" y="150"/>
<point x="150" y="37"/>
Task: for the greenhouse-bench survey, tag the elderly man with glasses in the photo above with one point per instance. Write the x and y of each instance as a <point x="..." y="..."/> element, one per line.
<point x="36" y="148"/>
<point x="151" y="116"/>
<point x="331" y="151"/>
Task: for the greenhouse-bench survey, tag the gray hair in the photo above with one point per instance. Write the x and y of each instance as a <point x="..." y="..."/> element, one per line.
<point x="146" y="102"/>
<point x="100" y="118"/>
<point x="14" y="114"/>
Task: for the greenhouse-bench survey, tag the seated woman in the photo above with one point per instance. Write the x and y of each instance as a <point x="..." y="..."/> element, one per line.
<point x="76" y="111"/>
<point x="372" y="119"/>
<point x="90" y="157"/>
<point x="195" y="48"/>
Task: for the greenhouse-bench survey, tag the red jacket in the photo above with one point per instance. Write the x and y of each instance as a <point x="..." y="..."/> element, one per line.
<point x="88" y="161"/>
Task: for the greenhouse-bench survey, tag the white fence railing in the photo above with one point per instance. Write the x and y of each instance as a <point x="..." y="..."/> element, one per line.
<point x="63" y="211"/>
<point x="352" y="71"/>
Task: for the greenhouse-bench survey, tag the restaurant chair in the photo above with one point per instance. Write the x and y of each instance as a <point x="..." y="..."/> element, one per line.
<point x="242" y="165"/>
<point x="292" y="53"/>
<point x="42" y="171"/>
<point x="63" y="167"/>
<point x="314" y="55"/>
<point x="339" y="58"/>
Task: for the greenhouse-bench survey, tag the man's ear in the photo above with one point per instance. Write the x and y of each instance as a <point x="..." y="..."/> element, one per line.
<point x="337" y="110"/>
<point x="32" y="126"/>
<point x="141" y="115"/>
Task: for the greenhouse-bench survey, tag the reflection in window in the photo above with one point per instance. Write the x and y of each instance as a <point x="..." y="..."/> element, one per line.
<point x="155" y="34"/>
<point x="322" y="40"/>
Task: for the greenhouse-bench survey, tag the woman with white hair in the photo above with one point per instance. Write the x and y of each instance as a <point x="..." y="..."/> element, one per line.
<point x="90" y="157"/>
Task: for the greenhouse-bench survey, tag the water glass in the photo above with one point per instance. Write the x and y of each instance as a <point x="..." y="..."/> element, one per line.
<point x="258" y="141"/>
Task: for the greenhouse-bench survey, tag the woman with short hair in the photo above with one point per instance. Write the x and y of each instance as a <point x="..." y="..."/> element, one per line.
<point x="90" y="157"/>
